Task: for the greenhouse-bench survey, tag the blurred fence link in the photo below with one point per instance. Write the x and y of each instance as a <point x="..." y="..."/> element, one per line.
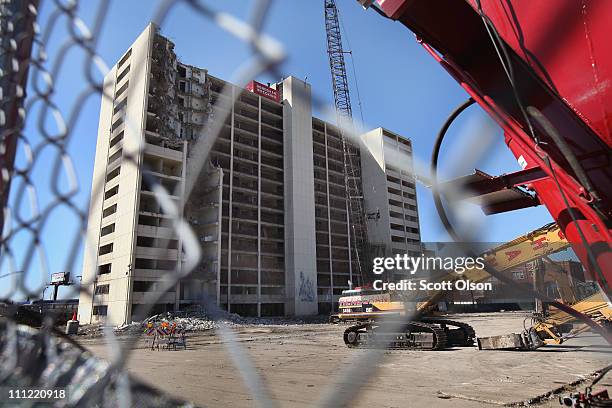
<point x="28" y="93"/>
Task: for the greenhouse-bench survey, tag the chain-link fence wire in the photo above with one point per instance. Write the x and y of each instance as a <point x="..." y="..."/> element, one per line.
<point x="19" y="23"/>
<point x="24" y="47"/>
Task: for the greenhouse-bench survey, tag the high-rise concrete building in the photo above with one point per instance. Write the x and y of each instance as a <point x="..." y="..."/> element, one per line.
<point x="269" y="207"/>
<point x="390" y="193"/>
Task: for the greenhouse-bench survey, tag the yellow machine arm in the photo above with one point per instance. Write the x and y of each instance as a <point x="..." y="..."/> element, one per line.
<point x="541" y="242"/>
<point x="594" y="306"/>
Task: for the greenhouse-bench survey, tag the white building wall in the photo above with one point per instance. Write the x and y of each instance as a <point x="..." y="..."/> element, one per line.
<point x="384" y="157"/>
<point x="92" y="236"/>
<point x="125" y="218"/>
<point x="374" y="184"/>
<point x="300" y="243"/>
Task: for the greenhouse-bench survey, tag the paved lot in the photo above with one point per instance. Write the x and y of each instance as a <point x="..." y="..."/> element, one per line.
<point x="300" y="363"/>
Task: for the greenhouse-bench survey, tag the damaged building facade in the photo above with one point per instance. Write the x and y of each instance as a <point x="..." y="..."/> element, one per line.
<point x="267" y="203"/>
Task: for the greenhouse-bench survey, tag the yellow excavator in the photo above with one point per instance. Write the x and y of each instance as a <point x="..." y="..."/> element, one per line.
<point x="550" y="328"/>
<point x="368" y="306"/>
<point x="594" y="306"/>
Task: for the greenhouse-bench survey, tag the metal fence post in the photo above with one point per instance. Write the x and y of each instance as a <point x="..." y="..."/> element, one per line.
<point x="17" y="21"/>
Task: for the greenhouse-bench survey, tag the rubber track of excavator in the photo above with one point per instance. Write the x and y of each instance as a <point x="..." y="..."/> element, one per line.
<point x="438" y="332"/>
<point x="469" y="333"/>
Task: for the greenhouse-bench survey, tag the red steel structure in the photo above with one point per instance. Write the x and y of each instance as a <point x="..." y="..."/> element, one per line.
<point x="543" y="71"/>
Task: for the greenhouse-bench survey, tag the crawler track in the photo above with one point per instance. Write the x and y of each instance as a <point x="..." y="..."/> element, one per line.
<point x="411" y="335"/>
<point x="463" y="335"/>
<point x="427" y="334"/>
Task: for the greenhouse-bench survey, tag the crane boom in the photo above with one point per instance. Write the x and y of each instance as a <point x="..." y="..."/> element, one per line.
<point x="335" y="52"/>
<point x="351" y="158"/>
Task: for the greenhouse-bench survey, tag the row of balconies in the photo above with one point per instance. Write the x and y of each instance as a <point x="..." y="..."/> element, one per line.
<point x="338" y="238"/>
<point x="162" y="166"/>
<point x="275" y="162"/>
<point x="332" y="132"/>
<point x="274" y="236"/>
<point x="163" y="150"/>
<point x="251" y="245"/>
<point x="249" y="169"/>
<point x="248" y="100"/>
<point x="268" y="133"/>
<point x="269" y="109"/>
<point x="406" y="214"/>
<point x="322" y="199"/>
<point x="340" y="254"/>
<point x="267" y="118"/>
<point x="250" y="198"/>
<point x="338" y="267"/>
<point x="246" y="260"/>
<point x="332" y="179"/>
<point x="335" y="213"/>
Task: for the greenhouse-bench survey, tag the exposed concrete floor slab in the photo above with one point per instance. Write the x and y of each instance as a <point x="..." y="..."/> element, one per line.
<point x="300" y="362"/>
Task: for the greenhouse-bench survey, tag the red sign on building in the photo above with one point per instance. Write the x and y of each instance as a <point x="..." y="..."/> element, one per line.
<point x="262" y="90"/>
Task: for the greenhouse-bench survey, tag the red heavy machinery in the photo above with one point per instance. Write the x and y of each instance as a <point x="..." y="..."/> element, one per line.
<point x="542" y="71"/>
<point x="554" y="107"/>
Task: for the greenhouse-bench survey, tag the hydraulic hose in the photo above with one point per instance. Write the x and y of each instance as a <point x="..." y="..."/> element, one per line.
<point x="442" y="213"/>
<point x="566" y="151"/>
<point x="434" y="168"/>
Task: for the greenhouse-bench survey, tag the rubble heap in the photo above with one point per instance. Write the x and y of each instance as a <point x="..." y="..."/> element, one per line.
<point x="195" y="321"/>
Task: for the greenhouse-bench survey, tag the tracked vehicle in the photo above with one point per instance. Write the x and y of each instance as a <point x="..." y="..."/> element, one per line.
<point x="367" y="307"/>
<point x="409" y="323"/>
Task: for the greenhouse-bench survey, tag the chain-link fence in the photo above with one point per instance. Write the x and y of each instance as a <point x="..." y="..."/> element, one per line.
<point x="39" y="181"/>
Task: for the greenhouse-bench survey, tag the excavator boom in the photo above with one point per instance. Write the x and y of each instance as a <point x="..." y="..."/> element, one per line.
<point x="544" y="241"/>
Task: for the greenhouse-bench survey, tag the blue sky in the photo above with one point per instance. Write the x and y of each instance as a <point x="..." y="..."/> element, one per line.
<point x="401" y="87"/>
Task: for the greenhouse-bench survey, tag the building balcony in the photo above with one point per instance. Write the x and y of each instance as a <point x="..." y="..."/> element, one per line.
<point x="400" y="246"/>
<point x="397" y="233"/>
<point x="149" y="193"/>
<point x="142" y="297"/>
<point x="393" y="173"/>
<point x="412" y="224"/>
<point x="394" y="184"/>
<point x="115" y="148"/>
<point x="412" y="236"/>
<point x="114" y="182"/>
<point x="163" y="152"/>
<point x="149" y="273"/>
<point x="408" y="190"/>
<point x="396" y="208"/>
<point x="157" y="232"/>
<point x="156" y="253"/>
<point x="409" y="201"/>
<point x="163" y="175"/>
<point x="395" y="197"/>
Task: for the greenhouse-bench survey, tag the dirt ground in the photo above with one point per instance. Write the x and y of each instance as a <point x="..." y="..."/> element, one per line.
<point x="300" y="364"/>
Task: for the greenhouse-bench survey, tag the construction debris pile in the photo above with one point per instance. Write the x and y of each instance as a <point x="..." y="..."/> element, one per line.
<point x="194" y="321"/>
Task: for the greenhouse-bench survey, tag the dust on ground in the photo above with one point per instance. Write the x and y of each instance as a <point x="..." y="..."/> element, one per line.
<point x="299" y="361"/>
